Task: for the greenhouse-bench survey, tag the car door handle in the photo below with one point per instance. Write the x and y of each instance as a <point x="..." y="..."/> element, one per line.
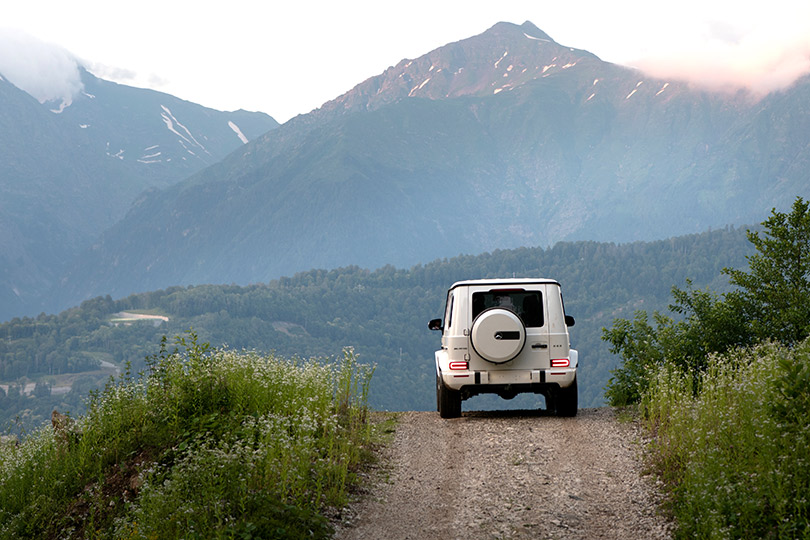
<point x="539" y="345"/>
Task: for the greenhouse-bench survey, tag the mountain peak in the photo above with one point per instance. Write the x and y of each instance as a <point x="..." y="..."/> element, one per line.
<point x="502" y="58"/>
<point x="528" y="29"/>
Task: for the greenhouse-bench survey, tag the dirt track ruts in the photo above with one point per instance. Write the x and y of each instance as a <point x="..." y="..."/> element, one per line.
<point x="508" y="474"/>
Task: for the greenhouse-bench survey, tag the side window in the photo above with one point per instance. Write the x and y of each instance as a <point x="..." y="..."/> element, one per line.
<point x="448" y="315"/>
<point x="528" y="305"/>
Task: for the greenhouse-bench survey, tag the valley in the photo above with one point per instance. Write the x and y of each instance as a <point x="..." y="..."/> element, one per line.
<point x="382" y="314"/>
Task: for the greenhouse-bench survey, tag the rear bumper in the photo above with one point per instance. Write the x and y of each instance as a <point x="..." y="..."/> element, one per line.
<point x="508" y="381"/>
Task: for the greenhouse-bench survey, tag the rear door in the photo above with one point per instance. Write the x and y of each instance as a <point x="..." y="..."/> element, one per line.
<point x="528" y="301"/>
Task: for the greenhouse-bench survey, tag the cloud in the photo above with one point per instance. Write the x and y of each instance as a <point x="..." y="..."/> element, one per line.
<point x="720" y="55"/>
<point x="111" y="73"/>
<point x="47" y="72"/>
<point x="126" y="76"/>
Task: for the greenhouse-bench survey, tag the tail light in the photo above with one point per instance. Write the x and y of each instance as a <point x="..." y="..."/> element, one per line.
<point x="560" y="362"/>
<point x="458" y="365"/>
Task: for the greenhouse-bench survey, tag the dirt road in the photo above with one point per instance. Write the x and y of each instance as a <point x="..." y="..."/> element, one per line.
<point x="501" y="475"/>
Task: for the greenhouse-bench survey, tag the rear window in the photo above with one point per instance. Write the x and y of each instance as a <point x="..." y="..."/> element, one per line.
<point x="528" y="305"/>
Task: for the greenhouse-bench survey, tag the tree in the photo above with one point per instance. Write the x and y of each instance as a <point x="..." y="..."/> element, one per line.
<point x="641" y="349"/>
<point x="776" y="289"/>
<point x="771" y="302"/>
<point x="709" y="324"/>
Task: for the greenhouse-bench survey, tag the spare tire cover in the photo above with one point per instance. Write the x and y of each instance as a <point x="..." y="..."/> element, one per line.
<point x="498" y="335"/>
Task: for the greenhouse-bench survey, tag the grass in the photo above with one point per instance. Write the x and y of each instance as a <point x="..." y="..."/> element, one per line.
<point x="204" y="444"/>
<point x="736" y="453"/>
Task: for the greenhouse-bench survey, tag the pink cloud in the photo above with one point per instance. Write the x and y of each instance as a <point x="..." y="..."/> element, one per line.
<point x="726" y="57"/>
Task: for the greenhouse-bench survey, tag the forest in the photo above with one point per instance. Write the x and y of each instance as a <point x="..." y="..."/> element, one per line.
<point x="55" y="360"/>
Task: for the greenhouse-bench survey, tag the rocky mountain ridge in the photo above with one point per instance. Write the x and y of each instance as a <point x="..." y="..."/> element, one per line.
<point x="478" y="66"/>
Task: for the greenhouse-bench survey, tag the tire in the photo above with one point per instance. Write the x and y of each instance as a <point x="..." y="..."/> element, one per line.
<point x="448" y="401"/>
<point x="567" y="400"/>
<point x="498" y="335"/>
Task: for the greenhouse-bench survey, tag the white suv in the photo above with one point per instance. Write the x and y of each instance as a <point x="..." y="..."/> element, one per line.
<point x="505" y="337"/>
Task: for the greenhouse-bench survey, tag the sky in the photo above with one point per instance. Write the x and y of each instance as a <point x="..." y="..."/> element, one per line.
<point x="288" y="58"/>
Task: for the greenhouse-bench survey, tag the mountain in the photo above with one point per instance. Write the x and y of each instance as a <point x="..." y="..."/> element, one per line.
<point x="496" y="61"/>
<point x="501" y="140"/>
<point x="68" y="172"/>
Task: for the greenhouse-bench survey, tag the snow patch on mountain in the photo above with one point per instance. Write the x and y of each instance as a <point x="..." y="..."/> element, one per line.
<point x="170" y="121"/>
<point x="119" y="154"/>
<point x="238" y="132"/>
<point x="63" y="104"/>
<point x="418" y="87"/>
<point x="536" y="38"/>
<point x="151" y="155"/>
<point x="151" y="158"/>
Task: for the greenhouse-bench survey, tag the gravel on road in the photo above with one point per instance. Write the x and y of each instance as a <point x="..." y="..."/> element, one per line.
<point x="509" y="475"/>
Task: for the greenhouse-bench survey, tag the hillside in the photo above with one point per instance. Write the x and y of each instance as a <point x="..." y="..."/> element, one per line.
<point x="204" y="443"/>
<point x="502" y="140"/>
<point x="69" y="173"/>
<point x="383" y="314"/>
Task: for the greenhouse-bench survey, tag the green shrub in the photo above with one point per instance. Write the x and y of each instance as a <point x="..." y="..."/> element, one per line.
<point x="735" y="453"/>
<point x="203" y="444"/>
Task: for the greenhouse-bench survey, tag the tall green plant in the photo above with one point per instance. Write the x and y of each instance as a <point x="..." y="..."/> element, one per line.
<point x="735" y="453"/>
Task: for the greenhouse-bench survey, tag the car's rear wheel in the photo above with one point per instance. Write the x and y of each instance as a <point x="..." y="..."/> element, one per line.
<point x="448" y="401"/>
<point x="567" y="400"/>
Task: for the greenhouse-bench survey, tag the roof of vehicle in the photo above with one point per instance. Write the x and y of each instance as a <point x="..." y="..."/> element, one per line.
<point x="505" y="281"/>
